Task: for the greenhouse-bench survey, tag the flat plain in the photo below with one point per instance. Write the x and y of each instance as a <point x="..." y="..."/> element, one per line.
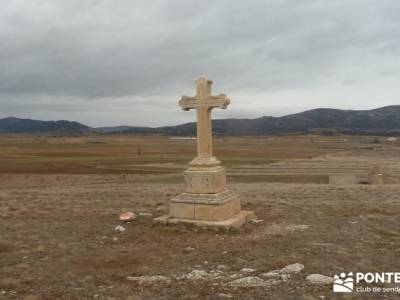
<point x="328" y="202"/>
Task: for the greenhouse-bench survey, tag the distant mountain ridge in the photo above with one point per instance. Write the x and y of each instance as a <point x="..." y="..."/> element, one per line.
<point x="385" y="120"/>
<point x="16" y="125"/>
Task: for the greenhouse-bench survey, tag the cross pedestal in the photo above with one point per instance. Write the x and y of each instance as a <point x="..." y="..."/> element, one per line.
<point x="205" y="201"/>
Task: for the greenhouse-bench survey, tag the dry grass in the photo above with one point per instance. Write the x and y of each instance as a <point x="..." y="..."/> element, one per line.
<point x="149" y="154"/>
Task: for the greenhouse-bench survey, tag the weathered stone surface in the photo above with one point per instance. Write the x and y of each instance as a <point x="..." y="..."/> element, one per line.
<point x="247" y="270"/>
<point x="319" y="279"/>
<point x="293" y="268"/>
<point x="205" y="181"/>
<point x="252" y="282"/>
<point x="224" y="296"/>
<point x="230" y="224"/>
<point x="257" y="221"/>
<point x="119" y="228"/>
<point x="276" y="274"/>
<point x="127" y="216"/>
<point x="221" y="267"/>
<point x="197" y="275"/>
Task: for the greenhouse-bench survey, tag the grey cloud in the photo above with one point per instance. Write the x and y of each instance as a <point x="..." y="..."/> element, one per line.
<point x="89" y="51"/>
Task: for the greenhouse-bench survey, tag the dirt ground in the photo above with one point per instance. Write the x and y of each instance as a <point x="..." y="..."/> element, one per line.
<point x="58" y="238"/>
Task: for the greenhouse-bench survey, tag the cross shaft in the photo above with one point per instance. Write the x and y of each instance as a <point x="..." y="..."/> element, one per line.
<point x="204" y="102"/>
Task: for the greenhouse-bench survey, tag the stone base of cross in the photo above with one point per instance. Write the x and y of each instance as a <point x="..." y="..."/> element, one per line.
<point x="206" y="202"/>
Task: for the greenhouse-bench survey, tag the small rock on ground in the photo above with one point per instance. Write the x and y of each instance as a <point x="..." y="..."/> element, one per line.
<point x="127" y="216"/>
<point x="257" y="221"/>
<point x="319" y="279"/>
<point x="252" y="282"/>
<point x="221" y="267"/>
<point x="197" y="275"/>
<point x="293" y="268"/>
<point x="189" y="249"/>
<point x="224" y="296"/>
<point x="272" y="274"/>
<point x="247" y="270"/>
<point x="119" y="228"/>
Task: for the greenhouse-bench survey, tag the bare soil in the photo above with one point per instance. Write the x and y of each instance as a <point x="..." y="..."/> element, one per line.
<point x="57" y="237"/>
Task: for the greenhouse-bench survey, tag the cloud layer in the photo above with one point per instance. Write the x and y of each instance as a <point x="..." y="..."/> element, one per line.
<point x="128" y="62"/>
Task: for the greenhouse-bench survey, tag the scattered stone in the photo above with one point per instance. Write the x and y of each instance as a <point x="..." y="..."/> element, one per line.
<point x="276" y="274"/>
<point x="319" y="279"/>
<point x="285" y="277"/>
<point x="197" y="275"/>
<point x="189" y="249"/>
<point x="127" y="216"/>
<point x="252" y="282"/>
<point x="247" y="270"/>
<point x="221" y="267"/>
<point x="145" y="215"/>
<point x="257" y="221"/>
<point x="119" y="228"/>
<point x="293" y="268"/>
<point x="272" y="274"/>
<point x="235" y="276"/>
<point x="149" y="279"/>
<point x="225" y="296"/>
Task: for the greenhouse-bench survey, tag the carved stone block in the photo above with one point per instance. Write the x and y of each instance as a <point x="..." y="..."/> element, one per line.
<point x="205" y="207"/>
<point x="208" y="181"/>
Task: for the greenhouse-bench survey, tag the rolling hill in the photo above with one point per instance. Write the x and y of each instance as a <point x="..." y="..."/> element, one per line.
<point x="16" y="125"/>
<point x="385" y="120"/>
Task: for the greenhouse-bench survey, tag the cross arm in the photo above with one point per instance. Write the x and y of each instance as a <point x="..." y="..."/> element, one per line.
<point x="220" y="101"/>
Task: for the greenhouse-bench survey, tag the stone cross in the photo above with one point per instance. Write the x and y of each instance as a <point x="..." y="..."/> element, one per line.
<point x="206" y="202"/>
<point x="204" y="102"/>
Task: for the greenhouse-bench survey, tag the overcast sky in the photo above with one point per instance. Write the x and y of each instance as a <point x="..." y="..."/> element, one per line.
<point x="128" y="62"/>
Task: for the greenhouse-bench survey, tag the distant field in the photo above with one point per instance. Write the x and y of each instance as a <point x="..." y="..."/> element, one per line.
<point x="152" y="154"/>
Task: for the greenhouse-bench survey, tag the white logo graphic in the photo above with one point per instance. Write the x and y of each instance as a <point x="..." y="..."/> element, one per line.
<point x="343" y="283"/>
